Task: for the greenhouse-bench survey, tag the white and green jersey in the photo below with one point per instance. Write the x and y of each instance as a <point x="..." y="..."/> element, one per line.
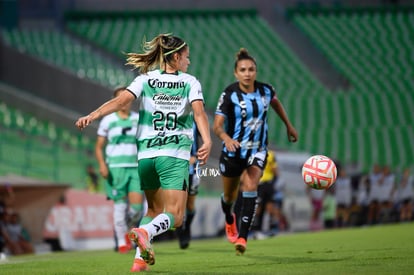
<point x="121" y="147"/>
<point x="165" y="125"/>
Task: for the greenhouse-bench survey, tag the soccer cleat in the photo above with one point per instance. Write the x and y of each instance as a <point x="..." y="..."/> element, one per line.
<point x="231" y="230"/>
<point x="240" y="246"/>
<point x="140" y="237"/>
<point x="123" y="249"/>
<point x="128" y="241"/>
<point x="139" y="265"/>
<point x="184" y="237"/>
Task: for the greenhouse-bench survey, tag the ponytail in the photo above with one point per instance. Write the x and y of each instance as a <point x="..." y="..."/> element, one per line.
<point x="157" y="52"/>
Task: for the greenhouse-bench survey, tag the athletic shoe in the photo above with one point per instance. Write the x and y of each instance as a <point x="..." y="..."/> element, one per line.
<point x="139" y="265"/>
<point x="140" y="237"/>
<point x="123" y="249"/>
<point x="231" y="230"/>
<point x="183" y="237"/>
<point x="128" y="241"/>
<point x="240" y="246"/>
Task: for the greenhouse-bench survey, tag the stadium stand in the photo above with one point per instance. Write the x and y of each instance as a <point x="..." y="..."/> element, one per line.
<point x="368" y="123"/>
<point x="214" y="37"/>
<point x="336" y="123"/>
<point x="371" y="47"/>
<point x="42" y="149"/>
<point x="64" y="51"/>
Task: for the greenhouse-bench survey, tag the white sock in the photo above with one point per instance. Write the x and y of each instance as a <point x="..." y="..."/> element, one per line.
<point x="138" y="253"/>
<point x="120" y="225"/>
<point x="158" y="225"/>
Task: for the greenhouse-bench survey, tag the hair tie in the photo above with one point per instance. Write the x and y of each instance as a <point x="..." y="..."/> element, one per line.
<point x="176" y="49"/>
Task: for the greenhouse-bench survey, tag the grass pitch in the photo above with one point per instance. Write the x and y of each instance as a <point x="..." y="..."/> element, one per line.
<point x="387" y="249"/>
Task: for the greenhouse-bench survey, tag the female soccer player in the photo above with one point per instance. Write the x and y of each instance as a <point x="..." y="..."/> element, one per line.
<point x="243" y="106"/>
<point x="116" y="153"/>
<point x="170" y="100"/>
<point x="184" y="231"/>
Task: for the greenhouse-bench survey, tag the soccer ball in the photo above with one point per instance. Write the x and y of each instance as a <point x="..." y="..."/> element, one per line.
<point x="319" y="172"/>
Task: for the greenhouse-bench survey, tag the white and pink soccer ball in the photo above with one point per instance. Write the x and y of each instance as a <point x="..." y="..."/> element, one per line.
<point x="319" y="172"/>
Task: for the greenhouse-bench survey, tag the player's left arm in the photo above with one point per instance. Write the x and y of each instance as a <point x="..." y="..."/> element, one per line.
<point x="280" y="110"/>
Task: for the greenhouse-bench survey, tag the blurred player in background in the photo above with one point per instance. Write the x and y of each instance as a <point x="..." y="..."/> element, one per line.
<point x="184" y="231"/>
<point x="329" y="206"/>
<point x="373" y="198"/>
<point x="170" y="101"/>
<point x="382" y="189"/>
<point x="343" y="196"/>
<point x="17" y="237"/>
<point x="268" y="212"/>
<point x="241" y="123"/>
<point x="316" y="201"/>
<point x="92" y="179"/>
<point x="405" y="194"/>
<point x="118" y="165"/>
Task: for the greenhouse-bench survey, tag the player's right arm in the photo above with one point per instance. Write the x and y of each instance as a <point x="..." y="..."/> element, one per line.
<point x="218" y="129"/>
<point x="223" y="108"/>
<point x="112" y="105"/>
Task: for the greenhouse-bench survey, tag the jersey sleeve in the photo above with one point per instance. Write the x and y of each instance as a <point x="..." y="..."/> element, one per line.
<point x="103" y="127"/>
<point x="273" y="95"/>
<point x="137" y="85"/>
<point x="224" y="104"/>
<point x="196" y="92"/>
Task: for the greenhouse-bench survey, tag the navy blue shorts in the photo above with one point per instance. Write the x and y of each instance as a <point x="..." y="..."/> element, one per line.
<point x="234" y="167"/>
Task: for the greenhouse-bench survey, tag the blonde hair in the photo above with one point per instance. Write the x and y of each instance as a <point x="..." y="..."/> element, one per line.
<point x="157" y="52"/>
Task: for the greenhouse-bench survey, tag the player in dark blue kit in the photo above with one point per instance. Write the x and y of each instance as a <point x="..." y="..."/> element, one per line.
<point x="184" y="231"/>
<point x="241" y="123"/>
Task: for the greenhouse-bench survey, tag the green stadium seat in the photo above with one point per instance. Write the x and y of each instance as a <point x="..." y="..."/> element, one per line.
<point x="39" y="148"/>
<point x="62" y="50"/>
<point x="370" y="48"/>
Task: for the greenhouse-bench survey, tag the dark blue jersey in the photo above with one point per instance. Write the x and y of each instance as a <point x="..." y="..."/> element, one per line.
<point x="194" y="147"/>
<point x="246" y="117"/>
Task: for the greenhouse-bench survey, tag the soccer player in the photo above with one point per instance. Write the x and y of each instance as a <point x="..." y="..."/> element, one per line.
<point x="118" y="165"/>
<point x="170" y="100"/>
<point x="269" y="199"/>
<point x="241" y="123"/>
<point x="184" y="231"/>
<point x="92" y="179"/>
<point x="405" y="194"/>
<point x="343" y="196"/>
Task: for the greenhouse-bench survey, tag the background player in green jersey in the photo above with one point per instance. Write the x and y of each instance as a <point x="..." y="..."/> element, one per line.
<point x="118" y="165"/>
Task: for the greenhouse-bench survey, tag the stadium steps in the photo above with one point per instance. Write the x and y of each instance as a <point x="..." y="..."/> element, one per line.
<point x="222" y="35"/>
<point x="354" y="115"/>
<point x="372" y="50"/>
<point x="41" y="149"/>
<point x="61" y="50"/>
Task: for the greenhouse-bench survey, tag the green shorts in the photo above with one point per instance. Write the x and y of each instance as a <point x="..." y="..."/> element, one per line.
<point x="165" y="172"/>
<point x="121" y="181"/>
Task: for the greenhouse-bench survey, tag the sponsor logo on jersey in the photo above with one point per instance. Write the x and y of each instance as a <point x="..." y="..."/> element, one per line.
<point x="165" y="99"/>
<point x="160" y="141"/>
<point x="156" y="83"/>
